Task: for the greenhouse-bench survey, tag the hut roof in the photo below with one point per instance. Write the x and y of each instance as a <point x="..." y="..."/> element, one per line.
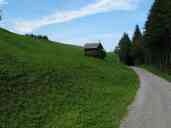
<point x="92" y="45"/>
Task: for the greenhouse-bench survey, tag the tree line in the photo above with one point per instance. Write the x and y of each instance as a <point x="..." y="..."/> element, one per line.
<point x="0" y="14"/>
<point x="153" y="45"/>
<point x="43" y="37"/>
<point x="130" y="51"/>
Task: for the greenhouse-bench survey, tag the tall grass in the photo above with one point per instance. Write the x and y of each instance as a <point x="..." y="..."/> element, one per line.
<point x="52" y="85"/>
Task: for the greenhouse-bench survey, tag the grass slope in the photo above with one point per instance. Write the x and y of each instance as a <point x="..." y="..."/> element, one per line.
<point x="48" y="85"/>
<point x="163" y="74"/>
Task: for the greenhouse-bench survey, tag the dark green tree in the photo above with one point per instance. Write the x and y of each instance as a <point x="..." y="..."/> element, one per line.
<point x="0" y="14"/>
<point x="137" y="47"/>
<point x="124" y="50"/>
<point x="157" y="35"/>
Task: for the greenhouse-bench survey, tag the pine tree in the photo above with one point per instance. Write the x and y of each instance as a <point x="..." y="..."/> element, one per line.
<point x="157" y="36"/>
<point x="0" y="14"/>
<point x="137" y="48"/>
<point x="125" y="49"/>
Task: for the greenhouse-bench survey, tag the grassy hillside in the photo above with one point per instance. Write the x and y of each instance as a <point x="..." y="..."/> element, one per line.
<point x="48" y="85"/>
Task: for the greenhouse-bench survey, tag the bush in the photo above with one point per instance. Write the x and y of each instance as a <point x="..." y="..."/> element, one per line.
<point x="37" y="36"/>
<point x="102" y="54"/>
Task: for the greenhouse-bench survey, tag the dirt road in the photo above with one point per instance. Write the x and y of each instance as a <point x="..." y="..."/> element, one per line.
<point x="152" y="106"/>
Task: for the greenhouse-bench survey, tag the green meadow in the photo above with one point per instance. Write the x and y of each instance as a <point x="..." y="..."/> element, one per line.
<point x="51" y="85"/>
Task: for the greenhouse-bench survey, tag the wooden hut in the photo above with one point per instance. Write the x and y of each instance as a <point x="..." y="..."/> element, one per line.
<point x="94" y="50"/>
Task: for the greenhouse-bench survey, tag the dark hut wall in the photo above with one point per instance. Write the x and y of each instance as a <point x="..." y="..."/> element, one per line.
<point x="92" y="52"/>
<point x="95" y="50"/>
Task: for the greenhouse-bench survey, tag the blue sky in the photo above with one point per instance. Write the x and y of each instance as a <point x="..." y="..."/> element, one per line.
<point x="75" y="21"/>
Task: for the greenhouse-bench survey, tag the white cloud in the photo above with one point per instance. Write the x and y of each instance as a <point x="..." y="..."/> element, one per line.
<point x="100" y="6"/>
<point x="2" y="2"/>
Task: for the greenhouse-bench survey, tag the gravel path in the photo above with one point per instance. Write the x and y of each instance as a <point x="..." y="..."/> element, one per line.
<point x="152" y="106"/>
